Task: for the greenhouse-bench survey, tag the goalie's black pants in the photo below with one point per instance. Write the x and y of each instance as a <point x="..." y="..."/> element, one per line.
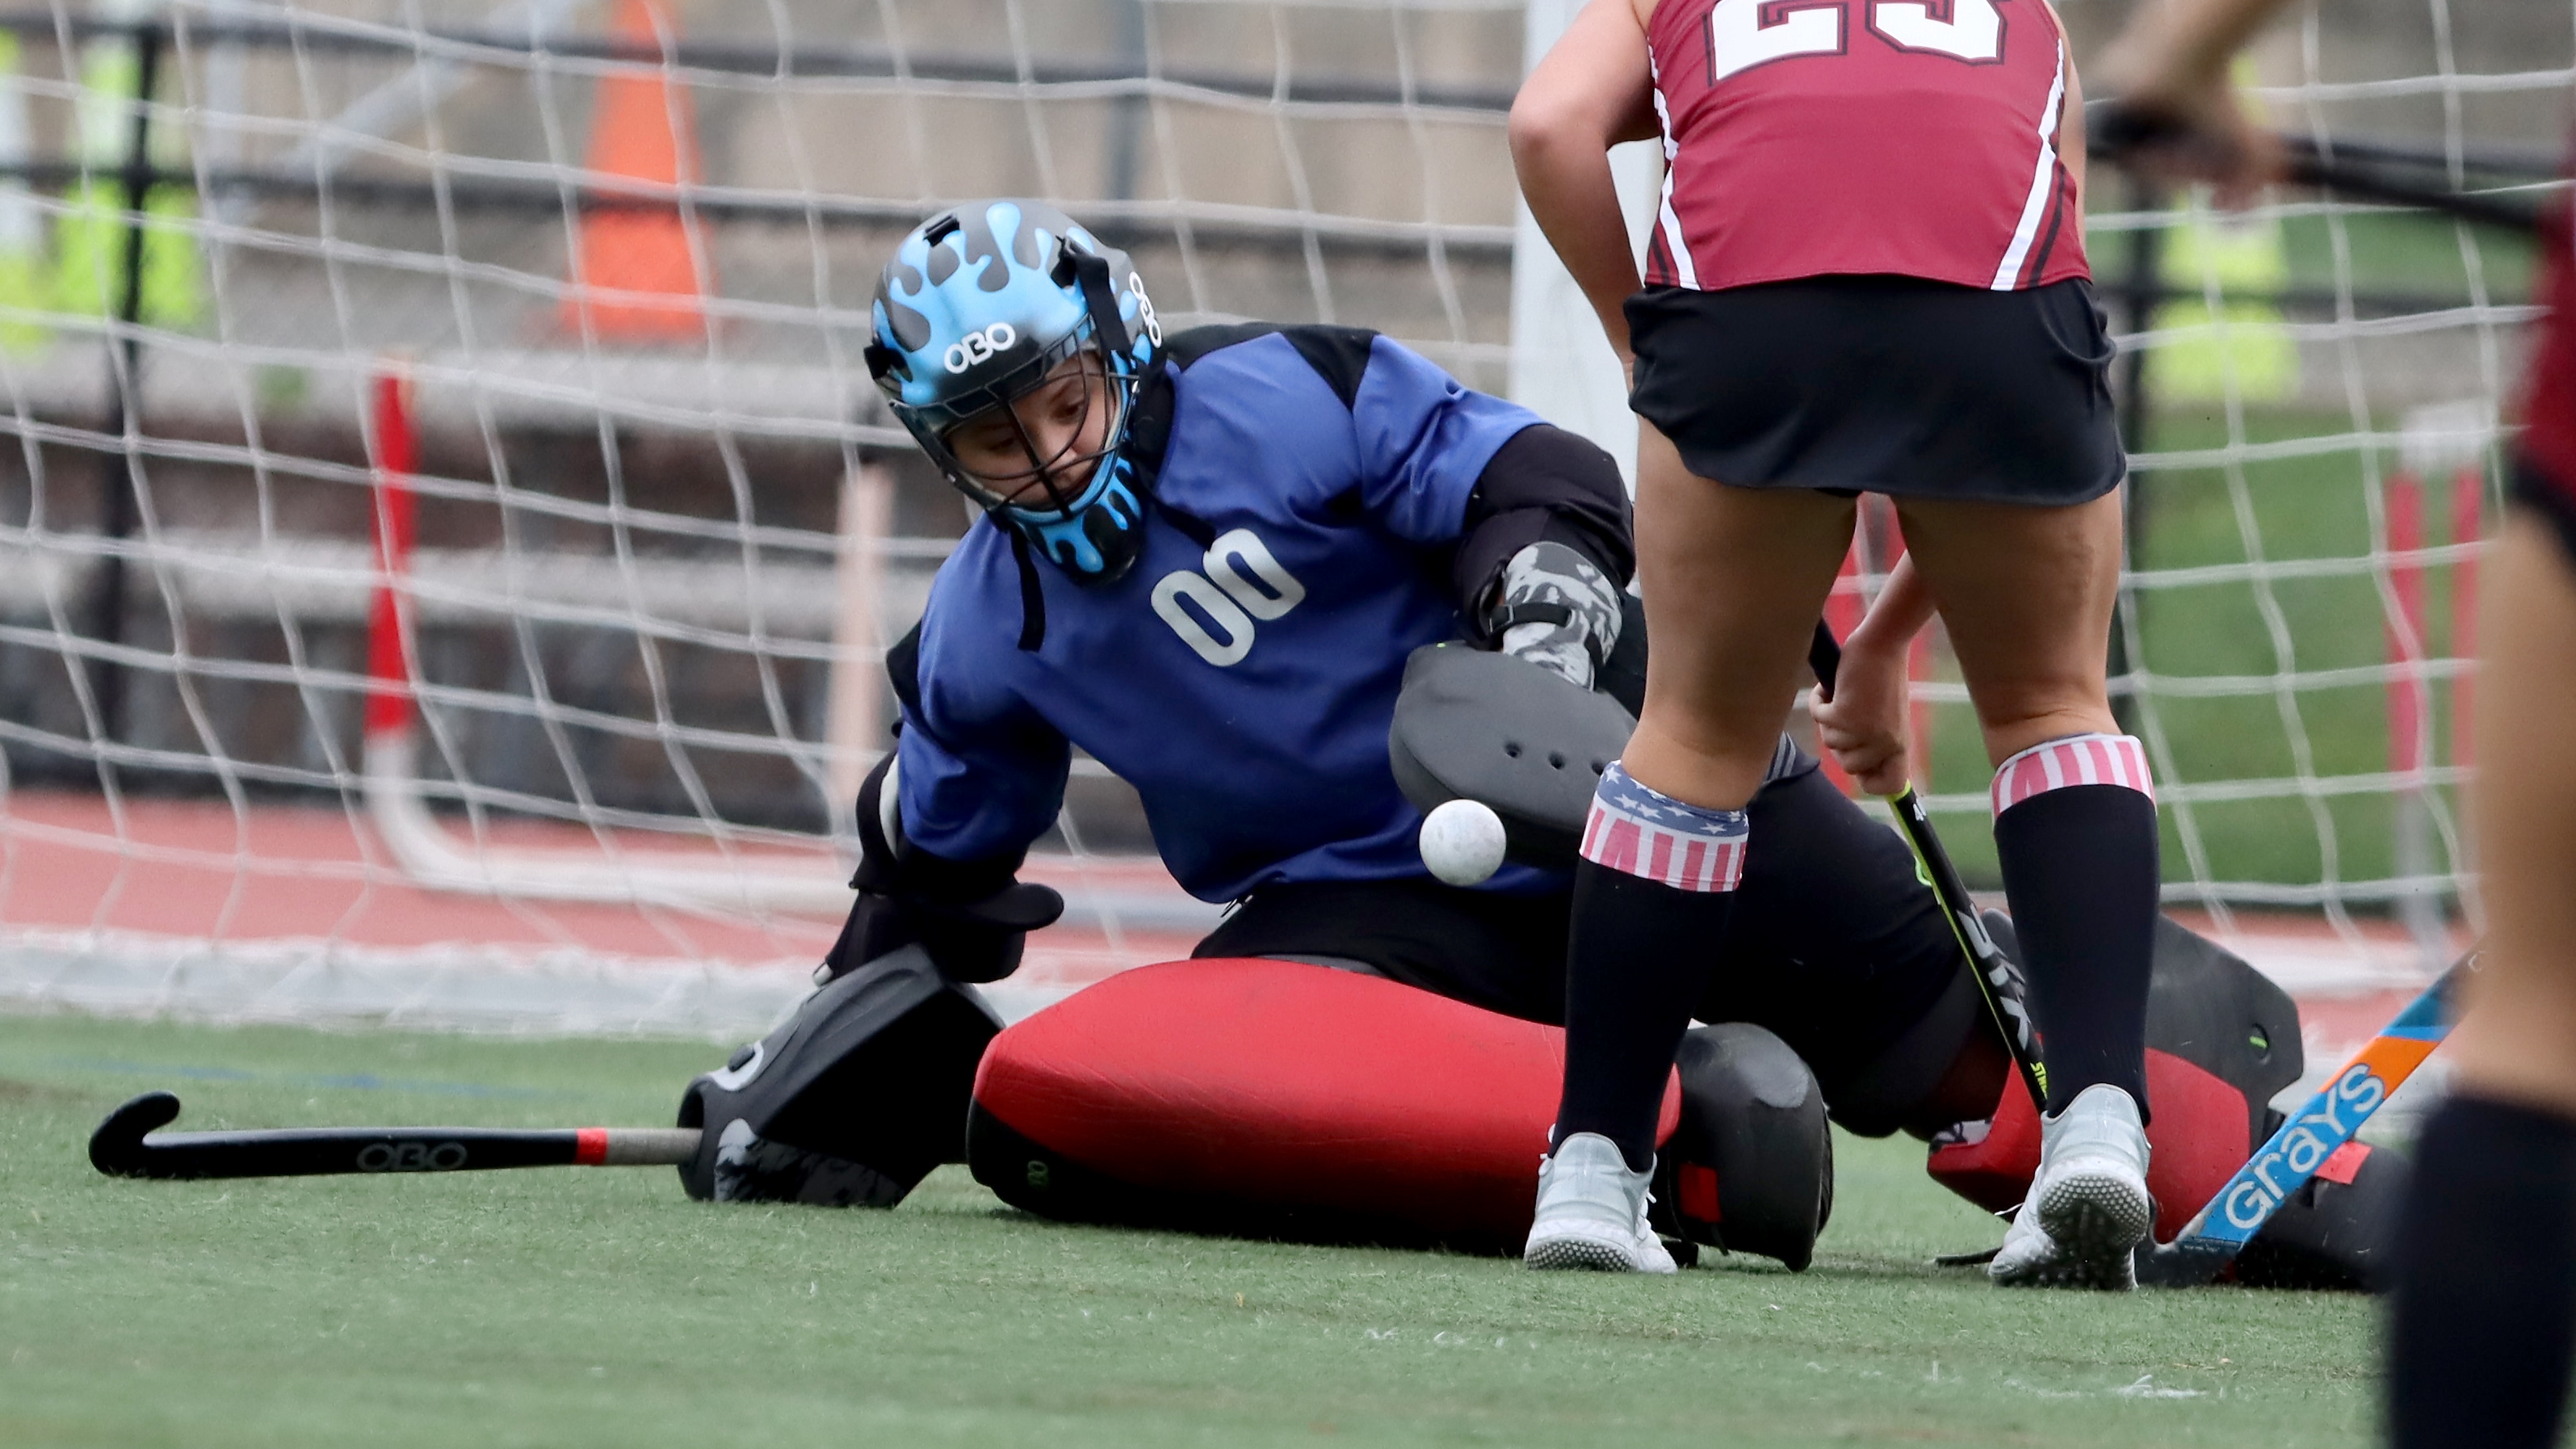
<point x="1834" y="944"/>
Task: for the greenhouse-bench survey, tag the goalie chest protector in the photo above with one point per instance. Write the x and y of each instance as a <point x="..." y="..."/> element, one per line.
<point x="1272" y="1098"/>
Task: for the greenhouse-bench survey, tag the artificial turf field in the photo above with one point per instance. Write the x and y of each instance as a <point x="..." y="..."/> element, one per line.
<point x="600" y="1306"/>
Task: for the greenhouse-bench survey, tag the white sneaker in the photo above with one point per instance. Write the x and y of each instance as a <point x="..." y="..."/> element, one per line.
<point x="1592" y="1212"/>
<point x="2089" y="1207"/>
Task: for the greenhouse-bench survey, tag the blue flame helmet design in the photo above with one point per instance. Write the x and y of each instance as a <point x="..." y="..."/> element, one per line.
<point x="978" y="306"/>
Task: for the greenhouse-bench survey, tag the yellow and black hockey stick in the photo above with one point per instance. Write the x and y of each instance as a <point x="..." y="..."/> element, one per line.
<point x="1999" y="979"/>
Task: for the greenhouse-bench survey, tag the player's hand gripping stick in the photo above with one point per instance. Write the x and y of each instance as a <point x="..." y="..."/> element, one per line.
<point x="1998" y="979"/>
<point x="121" y="1148"/>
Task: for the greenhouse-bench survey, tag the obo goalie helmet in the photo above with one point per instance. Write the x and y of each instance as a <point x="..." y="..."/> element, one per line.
<point x="978" y="307"/>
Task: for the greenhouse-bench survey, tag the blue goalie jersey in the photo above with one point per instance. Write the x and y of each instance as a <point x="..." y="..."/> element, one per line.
<point x="1312" y="488"/>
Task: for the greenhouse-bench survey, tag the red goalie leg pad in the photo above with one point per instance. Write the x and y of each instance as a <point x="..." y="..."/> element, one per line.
<point x="1273" y="1097"/>
<point x="2199" y="1139"/>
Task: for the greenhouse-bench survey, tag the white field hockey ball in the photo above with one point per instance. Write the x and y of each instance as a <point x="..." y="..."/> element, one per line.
<point x="1462" y="842"/>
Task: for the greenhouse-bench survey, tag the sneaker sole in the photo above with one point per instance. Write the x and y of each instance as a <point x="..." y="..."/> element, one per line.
<point x="1583" y="1254"/>
<point x="2097" y="1220"/>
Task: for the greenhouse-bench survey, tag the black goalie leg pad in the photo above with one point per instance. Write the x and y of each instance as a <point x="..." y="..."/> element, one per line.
<point x="852" y="1101"/>
<point x="1750" y="1169"/>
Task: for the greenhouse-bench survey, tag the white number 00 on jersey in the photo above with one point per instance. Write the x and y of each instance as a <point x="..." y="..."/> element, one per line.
<point x="1213" y="613"/>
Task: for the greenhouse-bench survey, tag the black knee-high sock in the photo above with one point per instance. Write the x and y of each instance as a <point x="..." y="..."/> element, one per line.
<point x="1651" y="899"/>
<point x="2483" y="1320"/>
<point x="2079" y="867"/>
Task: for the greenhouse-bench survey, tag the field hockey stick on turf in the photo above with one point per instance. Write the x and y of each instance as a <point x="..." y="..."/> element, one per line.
<point x="2396" y="175"/>
<point x="121" y="1148"/>
<point x="2305" y="1142"/>
<point x="1998" y="979"/>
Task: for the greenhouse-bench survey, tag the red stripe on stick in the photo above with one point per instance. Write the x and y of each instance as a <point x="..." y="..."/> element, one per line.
<point x="2344" y="1163"/>
<point x="590" y="1146"/>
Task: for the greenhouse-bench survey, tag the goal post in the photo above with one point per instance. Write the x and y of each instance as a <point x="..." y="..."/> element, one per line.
<point x="619" y="867"/>
<point x="565" y="632"/>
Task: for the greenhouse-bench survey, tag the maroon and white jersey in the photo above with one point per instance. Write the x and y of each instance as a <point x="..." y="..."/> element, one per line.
<point x="1808" y="138"/>
<point x="2549" y="397"/>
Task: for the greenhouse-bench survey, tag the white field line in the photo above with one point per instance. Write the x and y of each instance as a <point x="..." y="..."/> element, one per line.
<point x="515" y="990"/>
<point x="573" y="992"/>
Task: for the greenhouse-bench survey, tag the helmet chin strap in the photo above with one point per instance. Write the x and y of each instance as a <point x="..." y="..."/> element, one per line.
<point x="1100" y="298"/>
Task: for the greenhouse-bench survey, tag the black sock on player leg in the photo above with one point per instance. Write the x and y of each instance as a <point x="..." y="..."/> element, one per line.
<point x="2075" y="832"/>
<point x="1652" y="896"/>
<point x="2483" y="1319"/>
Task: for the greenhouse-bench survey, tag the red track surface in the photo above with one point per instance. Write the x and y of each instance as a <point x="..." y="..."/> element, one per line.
<point x="198" y="869"/>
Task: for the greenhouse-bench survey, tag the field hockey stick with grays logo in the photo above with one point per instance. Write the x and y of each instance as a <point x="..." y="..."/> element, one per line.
<point x="2306" y="1142"/>
<point x="121" y="1147"/>
<point x="1999" y="980"/>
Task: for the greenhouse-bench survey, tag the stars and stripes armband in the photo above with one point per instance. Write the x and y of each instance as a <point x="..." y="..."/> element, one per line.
<point x="1640" y="831"/>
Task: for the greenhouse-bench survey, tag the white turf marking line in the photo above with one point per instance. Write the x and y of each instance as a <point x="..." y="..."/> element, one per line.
<point x="557" y="991"/>
<point x="512" y="990"/>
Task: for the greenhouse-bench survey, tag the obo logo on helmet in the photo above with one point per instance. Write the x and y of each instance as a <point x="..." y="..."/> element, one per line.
<point x="981" y="346"/>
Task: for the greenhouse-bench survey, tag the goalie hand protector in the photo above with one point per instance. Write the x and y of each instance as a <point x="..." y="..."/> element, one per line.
<point x="972" y="917"/>
<point x="1556" y="610"/>
<point x="852" y="1100"/>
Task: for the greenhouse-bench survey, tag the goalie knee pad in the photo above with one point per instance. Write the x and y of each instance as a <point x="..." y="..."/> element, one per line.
<point x="852" y="1100"/>
<point x="1750" y="1166"/>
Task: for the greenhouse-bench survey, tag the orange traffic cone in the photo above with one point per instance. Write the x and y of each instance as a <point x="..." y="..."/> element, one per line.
<point x="634" y="275"/>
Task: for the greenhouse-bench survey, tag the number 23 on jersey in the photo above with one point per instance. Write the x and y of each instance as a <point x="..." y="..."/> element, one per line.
<point x="1745" y="33"/>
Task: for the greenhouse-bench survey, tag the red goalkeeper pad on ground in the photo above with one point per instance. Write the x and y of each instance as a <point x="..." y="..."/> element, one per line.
<point x="1272" y="1098"/>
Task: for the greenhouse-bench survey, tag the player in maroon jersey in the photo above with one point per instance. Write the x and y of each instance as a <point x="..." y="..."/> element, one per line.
<point x="1867" y="275"/>
<point x="2484" y="1328"/>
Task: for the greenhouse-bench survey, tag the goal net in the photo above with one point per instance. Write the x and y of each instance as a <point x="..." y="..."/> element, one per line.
<point x="451" y="540"/>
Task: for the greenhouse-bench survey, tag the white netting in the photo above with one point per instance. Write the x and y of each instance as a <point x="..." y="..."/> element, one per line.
<point x="564" y="298"/>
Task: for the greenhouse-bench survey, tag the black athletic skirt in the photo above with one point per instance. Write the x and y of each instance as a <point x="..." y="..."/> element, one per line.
<point x="1880" y="384"/>
<point x="1834" y="944"/>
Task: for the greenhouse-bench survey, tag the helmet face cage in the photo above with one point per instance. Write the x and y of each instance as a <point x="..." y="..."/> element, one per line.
<point x="977" y="309"/>
<point x="1035" y="491"/>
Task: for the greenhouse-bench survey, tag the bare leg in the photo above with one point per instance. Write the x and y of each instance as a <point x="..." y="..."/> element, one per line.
<point x="1734" y="581"/>
<point x="2027" y="595"/>
<point x="2484" y="1317"/>
<point x="2518" y="1041"/>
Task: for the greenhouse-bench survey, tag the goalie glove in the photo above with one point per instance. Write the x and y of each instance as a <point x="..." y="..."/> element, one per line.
<point x="972" y="916"/>
<point x="1554" y="609"/>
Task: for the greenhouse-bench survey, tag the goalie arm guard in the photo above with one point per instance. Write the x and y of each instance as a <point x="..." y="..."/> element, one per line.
<point x="1546" y="550"/>
<point x="972" y="917"/>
